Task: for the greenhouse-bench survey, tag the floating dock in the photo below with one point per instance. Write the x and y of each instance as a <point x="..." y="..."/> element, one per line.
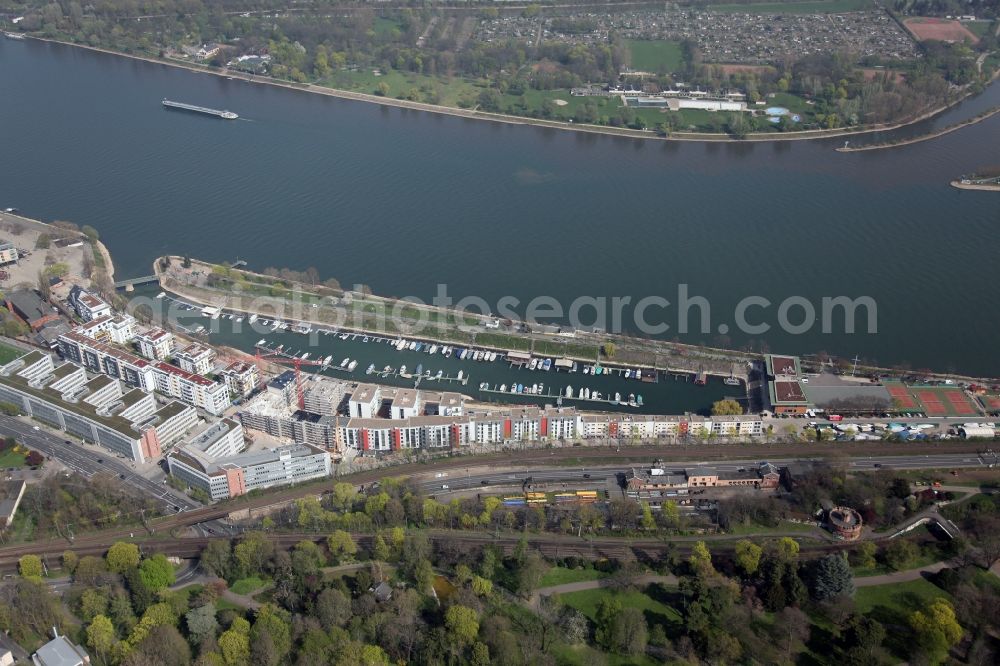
<point x="228" y="115"/>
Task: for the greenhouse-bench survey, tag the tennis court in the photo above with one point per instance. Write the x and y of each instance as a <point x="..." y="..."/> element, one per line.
<point x="932" y="400"/>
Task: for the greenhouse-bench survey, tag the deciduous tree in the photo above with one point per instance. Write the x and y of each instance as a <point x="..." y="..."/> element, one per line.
<point x="122" y="556"/>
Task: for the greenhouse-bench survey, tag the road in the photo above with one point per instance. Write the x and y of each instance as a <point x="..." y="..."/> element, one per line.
<point x="89" y="461"/>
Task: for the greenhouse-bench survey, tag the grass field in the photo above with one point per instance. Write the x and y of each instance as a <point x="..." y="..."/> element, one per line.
<point x="978" y="28"/>
<point x="248" y="585"/>
<point x="430" y="89"/>
<point x="562" y="575"/>
<point x="900" y="598"/>
<point x="655" y="55"/>
<point x="818" y="7"/>
<point x="8" y="353"/>
<point x="655" y="610"/>
<point x="11" y="459"/>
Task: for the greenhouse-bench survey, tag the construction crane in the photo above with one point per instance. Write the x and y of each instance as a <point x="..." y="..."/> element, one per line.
<point x="276" y="356"/>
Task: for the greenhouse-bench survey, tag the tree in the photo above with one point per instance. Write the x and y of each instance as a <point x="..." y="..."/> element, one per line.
<point x="787" y="549"/>
<point x="30" y="566"/>
<point x="865" y="636"/>
<point x="216" y="558"/>
<point x="90" y="232"/>
<point x="69" y="561"/>
<point x="342" y="546"/>
<point x="89" y="570"/>
<point x="163" y="646"/>
<point x="483" y="587"/>
<point x="43" y="285"/>
<point x="252" y="553"/>
<point x="647" y="522"/>
<point x="936" y="629"/>
<point x="866" y="555"/>
<point x="608" y="349"/>
<point x="156" y="572"/>
<point x="186" y="263"/>
<point x="899" y="554"/>
<point x="792" y="627"/>
<point x="201" y="622"/>
<point x="727" y="407"/>
<point x="43" y="242"/>
<point x="833" y="578"/>
<point x="270" y="635"/>
<point x="235" y="643"/>
<point x="382" y="89"/>
<point x="529" y="573"/>
<point x="748" y="556"/>
<point x="122" y="556"/>
<point x="101" y="636"/>
<point x="462" y="624"/>
<point x="332" y="608"/>
<point x="629" y="633"/>
<point x="608" y="609"/>
<point x="701" y="560"/>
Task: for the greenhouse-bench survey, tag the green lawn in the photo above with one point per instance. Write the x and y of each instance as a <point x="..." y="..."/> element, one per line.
<point x="655" y="611"/>
<point x="978" y="28"/>
<point x="901" y="598"/>
<point x="429" y="89"/>
<point x="11" y="459"/>
<point x="650" y="55"/>
<point x="8" y="353"/>
<point x="584" y="655"/>
<point x="562" y="575"/>
<point x="817" y="7"/>
<point x="248" y="585"/>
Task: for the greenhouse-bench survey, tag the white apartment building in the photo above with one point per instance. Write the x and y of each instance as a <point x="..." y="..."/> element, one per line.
<point x="195" y="358"/>
<point x="155" y="343"/>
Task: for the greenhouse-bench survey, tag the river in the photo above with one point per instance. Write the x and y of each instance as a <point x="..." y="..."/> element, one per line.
<point x="403" y="200"/>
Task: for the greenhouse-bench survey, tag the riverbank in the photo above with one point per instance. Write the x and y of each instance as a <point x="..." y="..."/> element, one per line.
<point x="924" y="137"/>
<point x="474" y="114"/>
<point x="975" y="186"/>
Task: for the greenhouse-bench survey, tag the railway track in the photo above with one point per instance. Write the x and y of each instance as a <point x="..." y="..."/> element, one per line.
<point x="98" y="542"/>
<point x="549" y="545"/>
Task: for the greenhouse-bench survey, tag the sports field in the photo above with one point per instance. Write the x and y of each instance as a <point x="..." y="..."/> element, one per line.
<point x="992" y="402"/>
<point x="931" y="400"/>
<point x="944" y="30"/>
<point x="649" y="55"/>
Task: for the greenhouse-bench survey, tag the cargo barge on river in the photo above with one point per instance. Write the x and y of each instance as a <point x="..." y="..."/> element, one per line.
<point x="228" y="115"/>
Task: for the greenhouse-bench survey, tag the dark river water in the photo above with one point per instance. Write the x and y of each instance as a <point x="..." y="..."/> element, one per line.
<point x="404" y="201"/>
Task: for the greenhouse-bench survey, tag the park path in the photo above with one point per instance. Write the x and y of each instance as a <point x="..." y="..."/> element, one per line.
<point x="580" y="586"/>
<point x="242" y="600"/>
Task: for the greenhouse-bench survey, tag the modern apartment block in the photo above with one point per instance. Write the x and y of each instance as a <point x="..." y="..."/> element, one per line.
<point x="128" y="422"/>
<point x="195" y="358"/>
<point x="117" y="329"/>
<point x="102" y="357"/>
<point x="88" y="306"/>
<point x="231" y="476"/>
<point x="241" y="378"/>
<point x="155" y="344"/>
<point x="132" y="369"/>
<point x="192" y="388"/>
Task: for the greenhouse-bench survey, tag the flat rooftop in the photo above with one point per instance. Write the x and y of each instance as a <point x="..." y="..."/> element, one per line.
<point x="782" y="365"/>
